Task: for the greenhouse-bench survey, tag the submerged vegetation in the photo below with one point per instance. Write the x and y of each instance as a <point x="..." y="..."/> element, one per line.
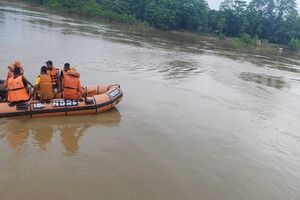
<point x="274" y="20"/>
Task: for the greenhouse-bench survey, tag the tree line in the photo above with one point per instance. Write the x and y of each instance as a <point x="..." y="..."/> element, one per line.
<point x="276" y="21"/>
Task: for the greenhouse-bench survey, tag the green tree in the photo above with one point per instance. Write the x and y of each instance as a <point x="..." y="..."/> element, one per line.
<point x="161" y="15"/>
<point x="252" y="22"/>
<point x="294" y="44"/>
<point x="233" y="12"/>
<point x="138" y="7"/>
<point x="221" y="25"/>
<point x="194" y="15"/>
<point x="273" y="16"/>
<point x="213" y="21"/>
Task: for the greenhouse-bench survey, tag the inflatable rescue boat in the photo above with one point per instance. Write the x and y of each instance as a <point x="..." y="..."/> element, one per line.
<point x="102" y="98"/>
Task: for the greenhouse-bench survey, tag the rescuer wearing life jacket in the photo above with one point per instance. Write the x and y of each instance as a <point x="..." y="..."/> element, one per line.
<point x="54" y="73"/>
<point x="3" y="86"/>
<point x="3" y="90"/>
<point x="43" y="89"/>
<point x="17" y="87"/>
<point x="64" y="72"/>
<point x="72" y="86"/>
<point x="12" y="67"/>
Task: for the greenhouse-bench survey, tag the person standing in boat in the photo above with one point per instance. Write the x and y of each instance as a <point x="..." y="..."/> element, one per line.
<point x="43" y="89"/>
<point x="63" y="73"/>
<point x="72" y="86"/>
<point x="54" y="73"/>
<point x="17" y="87"/>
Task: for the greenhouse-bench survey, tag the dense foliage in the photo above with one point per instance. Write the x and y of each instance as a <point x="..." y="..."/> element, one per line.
<point x="274" y="20"/>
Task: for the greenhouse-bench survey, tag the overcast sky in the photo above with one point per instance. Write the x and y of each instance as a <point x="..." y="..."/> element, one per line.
<point x="214" y="4"/>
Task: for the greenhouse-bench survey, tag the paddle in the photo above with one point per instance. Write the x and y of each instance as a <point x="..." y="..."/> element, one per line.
<point x="27" y="107"/>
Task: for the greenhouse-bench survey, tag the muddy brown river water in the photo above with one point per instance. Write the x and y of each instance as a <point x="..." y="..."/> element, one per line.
<point x="199" y="119"/>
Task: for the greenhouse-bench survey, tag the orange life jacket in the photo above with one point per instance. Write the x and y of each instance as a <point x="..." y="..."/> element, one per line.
<point x="16" y="90"/>
<point x="73" y="73"/>
<point x="45" y="87"/>
<point x="72" y="87"/>
<point x="54" y="75"/>
<point x="9" y="75"/>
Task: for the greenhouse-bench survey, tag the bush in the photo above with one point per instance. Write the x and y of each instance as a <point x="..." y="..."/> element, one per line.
<point x="222" y="36"/>
<point x="237" y="42"/>
<point x="294" y="44"/>
<point x="246" y="39"/>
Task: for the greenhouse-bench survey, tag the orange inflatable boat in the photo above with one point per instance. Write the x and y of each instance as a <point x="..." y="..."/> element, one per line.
<point x="103" y="98"/>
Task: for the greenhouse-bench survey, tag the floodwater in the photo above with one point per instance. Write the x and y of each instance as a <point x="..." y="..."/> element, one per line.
<point x="200" y="119"/>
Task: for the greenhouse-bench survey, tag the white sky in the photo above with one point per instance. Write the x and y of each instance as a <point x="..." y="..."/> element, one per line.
<point x="214" y="4"/>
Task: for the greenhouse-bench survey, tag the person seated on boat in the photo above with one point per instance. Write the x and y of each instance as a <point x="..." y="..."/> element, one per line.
<point x="18" y="64"/>
<point x="17" y="87"/>
<point x="64" y="72"/>
<point x="54" y="73"/>
<point x="72" y="86"/>
<point x="43" y="86"/>
<point x="3" y="90"/>
<point x="12" y="67"/>
<point x="10" y="74"/>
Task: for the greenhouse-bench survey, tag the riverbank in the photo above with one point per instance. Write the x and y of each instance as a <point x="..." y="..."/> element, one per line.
<point x="228" y="41"/>
<point x="20" y="4"/>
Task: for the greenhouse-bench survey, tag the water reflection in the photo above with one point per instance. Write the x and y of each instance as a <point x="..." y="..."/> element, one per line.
<point x="271" y="81"/>
<point x="70" y="136"/>
<point x="16" y="135"/>
<point x="71" y="129"/>
<point x="42" y="134"/>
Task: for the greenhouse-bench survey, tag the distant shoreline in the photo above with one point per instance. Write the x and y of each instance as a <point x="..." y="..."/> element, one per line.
<point x="22" y="4"/>
<point x="211" y="38"/>
<point x="18" y="3"/>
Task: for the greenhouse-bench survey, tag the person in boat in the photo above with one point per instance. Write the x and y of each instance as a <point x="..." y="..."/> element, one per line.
<point x="54" y="73"/>
<point x="3" y="90"/>
<point x="64" y="72"/>
<point x="10" y="72"/>
<point x="17" y="87"/>
<point x="12" y="67"/>
<point x="72" y="86"/>
<point x="3" y="85"/>
<point x="43" y="89"/>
